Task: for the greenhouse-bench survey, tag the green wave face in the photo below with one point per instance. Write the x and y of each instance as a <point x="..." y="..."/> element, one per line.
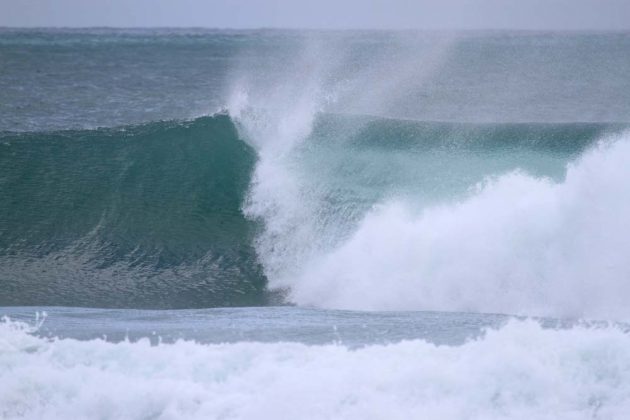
<point x="143" y="216"/>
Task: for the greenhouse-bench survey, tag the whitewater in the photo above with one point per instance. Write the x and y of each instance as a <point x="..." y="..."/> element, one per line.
<point x="520" y="371"/>
<point x="326" y="225"/>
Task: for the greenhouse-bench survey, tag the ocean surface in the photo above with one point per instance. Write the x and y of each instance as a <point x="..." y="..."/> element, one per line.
<point x="222" y="224"/>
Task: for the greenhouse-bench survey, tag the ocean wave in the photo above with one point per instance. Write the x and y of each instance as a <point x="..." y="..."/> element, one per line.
<point x="371" y="214"/>
<point x="209" y="212"/>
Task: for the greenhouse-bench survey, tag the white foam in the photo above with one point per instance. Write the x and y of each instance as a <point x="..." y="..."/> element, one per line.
<point x="521" y="371"/>
<point x="517" y="245"/>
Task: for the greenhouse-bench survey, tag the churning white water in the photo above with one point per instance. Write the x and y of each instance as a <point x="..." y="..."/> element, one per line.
<point x="520" y="371"/>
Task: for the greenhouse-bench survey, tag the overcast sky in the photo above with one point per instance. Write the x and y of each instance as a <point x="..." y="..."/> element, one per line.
<point x="324" y="14"/>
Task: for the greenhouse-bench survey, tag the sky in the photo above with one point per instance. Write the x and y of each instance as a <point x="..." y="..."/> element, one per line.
<point x="322" y="14"/>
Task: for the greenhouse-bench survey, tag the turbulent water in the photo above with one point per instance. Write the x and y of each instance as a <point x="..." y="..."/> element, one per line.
<point x="420" y="180"/>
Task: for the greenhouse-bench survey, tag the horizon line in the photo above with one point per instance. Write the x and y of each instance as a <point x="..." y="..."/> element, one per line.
<point x="315" y="29"/>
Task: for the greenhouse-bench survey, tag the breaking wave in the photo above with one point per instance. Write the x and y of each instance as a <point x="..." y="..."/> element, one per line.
<point x="325" y="210"/>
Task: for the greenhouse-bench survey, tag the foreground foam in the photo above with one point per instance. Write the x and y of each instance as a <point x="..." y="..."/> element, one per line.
<point x="517" y="372"/>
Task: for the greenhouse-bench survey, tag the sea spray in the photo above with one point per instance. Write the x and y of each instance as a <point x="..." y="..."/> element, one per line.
<point x="277" y="116"/>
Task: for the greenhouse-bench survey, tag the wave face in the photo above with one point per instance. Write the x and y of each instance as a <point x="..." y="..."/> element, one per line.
<point x="331" y="211"/>
<point x="139" y="216"/>
<point x="516" y="372"/>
